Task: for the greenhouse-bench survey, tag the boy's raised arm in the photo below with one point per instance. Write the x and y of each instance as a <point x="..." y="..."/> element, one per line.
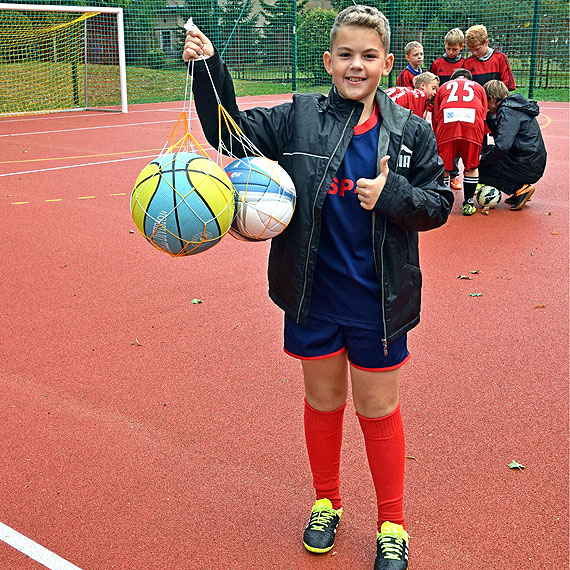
<point x="196" y="46"/>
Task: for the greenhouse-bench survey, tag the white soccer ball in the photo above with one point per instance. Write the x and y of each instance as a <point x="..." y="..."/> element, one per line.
<point x="265" y="198"/>
<point x="488" y="196"/>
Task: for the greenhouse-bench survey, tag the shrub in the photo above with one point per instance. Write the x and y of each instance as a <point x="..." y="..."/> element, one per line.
<point x="155" y="59"/>
<point x="313" y="41"/>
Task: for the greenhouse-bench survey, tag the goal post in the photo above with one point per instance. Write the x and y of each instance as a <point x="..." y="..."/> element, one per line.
<point x="61" y="58"/>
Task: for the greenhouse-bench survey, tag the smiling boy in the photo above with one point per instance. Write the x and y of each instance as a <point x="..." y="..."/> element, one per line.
<point x="346" y="269"/>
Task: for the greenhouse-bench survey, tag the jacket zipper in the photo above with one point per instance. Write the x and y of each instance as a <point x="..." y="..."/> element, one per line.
<point x="313" y="224"/>
<point x="385" y="339"/>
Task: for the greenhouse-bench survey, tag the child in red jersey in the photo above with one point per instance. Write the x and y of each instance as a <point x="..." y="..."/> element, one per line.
<point x="414" y="57"/>
<point x="486" y="63"/>
<point x="420" y="99"/>
<point x="459" y="113"/>
<point x="443" y="67"/>
<point x="452" y="58"/>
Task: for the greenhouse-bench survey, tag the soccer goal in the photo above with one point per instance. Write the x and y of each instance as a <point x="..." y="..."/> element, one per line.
<point x="61" y="58"/>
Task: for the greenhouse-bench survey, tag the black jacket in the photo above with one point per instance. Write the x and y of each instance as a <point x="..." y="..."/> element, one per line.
<point x="519" y="153"/>
<point x="309" y="137"/>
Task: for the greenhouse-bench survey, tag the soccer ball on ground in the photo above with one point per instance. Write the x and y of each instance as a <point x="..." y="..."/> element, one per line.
<point x="488" y="196"/>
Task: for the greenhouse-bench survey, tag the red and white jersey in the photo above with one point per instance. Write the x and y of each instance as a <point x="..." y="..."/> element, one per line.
<point x="394" y="91"/>
<point x="459" y="111"/>
<point x="493" y="66"/>
<point x="414" y="99"/>
<point x="443" y="67"/>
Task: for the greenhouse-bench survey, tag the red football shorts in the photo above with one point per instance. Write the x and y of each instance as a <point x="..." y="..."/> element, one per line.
<point x="469" y="152"/>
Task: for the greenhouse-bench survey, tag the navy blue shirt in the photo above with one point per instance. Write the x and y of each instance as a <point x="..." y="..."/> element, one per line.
<point x="345" y="287"/>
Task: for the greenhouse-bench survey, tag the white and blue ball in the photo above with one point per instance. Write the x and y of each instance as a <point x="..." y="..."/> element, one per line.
<point x="265" y="198"/>
<point x="488" y="196"/>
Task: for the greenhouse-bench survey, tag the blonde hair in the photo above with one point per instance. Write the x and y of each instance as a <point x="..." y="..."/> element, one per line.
<point x="496" y="89"/>
<point x="412" y="45"/>
<point x="454" y="37"/>
<point x="365" y="17"/>
<point x="476" y="35"/>
<point x="425" y="77"/>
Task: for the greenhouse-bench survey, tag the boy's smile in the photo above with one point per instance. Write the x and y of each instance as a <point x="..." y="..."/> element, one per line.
<point x="356" y="63"/>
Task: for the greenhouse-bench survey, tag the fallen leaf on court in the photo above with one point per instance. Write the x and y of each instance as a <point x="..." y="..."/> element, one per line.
<point x="515" y="465"/>
<point x="131" y="231"/>
<point x="554" y="233"/>
<point x="540" y="306"/>
<point x="464" y="277"/>
<point x="136" y="342"/>
<point x="474" y="294"/>
<point x="548" y="213"/>
<point x="64" y="265"/>
<point x="196" y="301"/>
<point x="485" y="211"/>
<point x="531" y="253"/>
<point x="505" y="278"/>
<point x="411" y="457"/>
<point x="475" y="271"/>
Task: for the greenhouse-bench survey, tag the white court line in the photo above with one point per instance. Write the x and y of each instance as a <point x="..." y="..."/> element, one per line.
<point x="86" y="164"/>
<point x="33" y="550"/>
<point x="63" y="116"/>
<point x="87" y="128"/>
<point x="76" y="165"/>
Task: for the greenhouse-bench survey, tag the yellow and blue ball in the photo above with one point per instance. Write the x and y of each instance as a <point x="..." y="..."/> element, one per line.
<point x="183" y="203"/>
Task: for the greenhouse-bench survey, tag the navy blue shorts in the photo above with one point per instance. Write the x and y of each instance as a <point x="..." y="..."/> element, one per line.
<point x="317" y="339"/>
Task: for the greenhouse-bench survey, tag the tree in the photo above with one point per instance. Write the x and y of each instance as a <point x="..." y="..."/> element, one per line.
<point x="238" y="32"/>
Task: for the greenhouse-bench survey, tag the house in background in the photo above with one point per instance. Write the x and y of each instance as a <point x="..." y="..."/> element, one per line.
<point x="168" y="23"/>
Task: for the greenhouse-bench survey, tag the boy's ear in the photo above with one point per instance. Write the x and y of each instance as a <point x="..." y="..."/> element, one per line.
<point x="327" y="60"/>
<point x="388" y="64"/>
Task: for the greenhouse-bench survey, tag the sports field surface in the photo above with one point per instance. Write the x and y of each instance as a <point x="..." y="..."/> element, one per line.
<point x="141" y="431"/>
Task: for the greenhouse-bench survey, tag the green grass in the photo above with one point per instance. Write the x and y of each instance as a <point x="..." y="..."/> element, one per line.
<point x="152" y="86"/>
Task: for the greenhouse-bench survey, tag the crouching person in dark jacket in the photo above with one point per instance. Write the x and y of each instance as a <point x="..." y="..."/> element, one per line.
<point x="518" y="157"/>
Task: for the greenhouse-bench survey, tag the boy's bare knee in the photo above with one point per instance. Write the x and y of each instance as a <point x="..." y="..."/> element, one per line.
<point x="376" y="409"/>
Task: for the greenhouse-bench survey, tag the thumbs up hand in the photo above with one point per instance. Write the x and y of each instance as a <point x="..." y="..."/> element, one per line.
<point x="369" y="190"/>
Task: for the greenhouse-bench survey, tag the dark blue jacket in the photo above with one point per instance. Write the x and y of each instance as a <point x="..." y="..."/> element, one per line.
<point x="519" y="154"/>
<point x="309" y="137"/>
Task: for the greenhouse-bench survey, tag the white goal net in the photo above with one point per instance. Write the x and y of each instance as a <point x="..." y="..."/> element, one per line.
<point x="61" y="58"/>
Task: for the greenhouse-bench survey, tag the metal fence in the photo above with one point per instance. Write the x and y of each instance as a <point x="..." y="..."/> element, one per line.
<point x="278" y="44"/>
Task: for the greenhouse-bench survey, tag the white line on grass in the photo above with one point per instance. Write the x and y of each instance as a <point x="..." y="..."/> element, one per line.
<point x="33" y="550"/>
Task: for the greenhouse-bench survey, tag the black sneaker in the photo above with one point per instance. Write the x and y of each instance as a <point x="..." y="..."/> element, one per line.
<point x="321" y="529"/>
<point x="511" y="199"/>
<point x="522" y="196"/>
<point x="391" y="547"/>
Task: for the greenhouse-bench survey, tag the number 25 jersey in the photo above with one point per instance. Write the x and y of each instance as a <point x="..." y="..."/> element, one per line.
<point x="459" y="111"/>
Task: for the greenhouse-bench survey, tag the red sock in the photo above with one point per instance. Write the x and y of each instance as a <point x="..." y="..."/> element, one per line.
<point x="386" y="450"/>
<point x="323" y="434"/>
